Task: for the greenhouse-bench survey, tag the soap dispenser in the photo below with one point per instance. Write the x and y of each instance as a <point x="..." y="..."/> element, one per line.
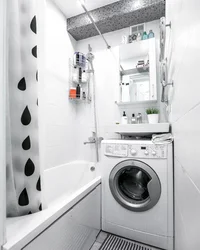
<point x="124" y="119"/>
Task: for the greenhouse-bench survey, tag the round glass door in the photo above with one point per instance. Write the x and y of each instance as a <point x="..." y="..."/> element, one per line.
<point x="135" y="185"/>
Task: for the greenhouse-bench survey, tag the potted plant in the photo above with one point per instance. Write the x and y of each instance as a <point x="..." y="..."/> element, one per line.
<point x="153" y="115"/>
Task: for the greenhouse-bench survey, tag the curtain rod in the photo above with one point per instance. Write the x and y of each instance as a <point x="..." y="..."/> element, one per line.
<point x="93" y="22"/>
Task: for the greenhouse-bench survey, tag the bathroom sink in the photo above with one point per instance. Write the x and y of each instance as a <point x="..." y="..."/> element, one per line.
<point x="139" y="129"/>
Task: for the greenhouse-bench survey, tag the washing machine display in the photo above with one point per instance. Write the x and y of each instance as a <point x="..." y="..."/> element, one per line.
<point x="135" y="185"/>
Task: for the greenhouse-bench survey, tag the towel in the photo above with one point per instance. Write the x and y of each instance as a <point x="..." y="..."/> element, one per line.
<point x="162" y="139"/>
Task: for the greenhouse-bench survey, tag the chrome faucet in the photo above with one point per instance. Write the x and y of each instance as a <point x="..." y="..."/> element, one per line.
<point x="90" y="140"/>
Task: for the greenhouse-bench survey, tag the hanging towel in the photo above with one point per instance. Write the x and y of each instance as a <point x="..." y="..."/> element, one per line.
<point x="162" y="139"/>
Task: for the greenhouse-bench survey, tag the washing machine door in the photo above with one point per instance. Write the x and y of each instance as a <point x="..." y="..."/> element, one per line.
<point x="135" y="185"/>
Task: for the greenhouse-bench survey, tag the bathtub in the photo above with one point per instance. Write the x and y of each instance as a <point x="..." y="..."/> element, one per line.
<point x="72" y="208"/>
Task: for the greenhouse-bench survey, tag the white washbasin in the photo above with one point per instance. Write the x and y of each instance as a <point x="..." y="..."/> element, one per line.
<point x="139" y="129"/>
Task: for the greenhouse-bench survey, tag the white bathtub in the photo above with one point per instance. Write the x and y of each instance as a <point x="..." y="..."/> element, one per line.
<point x="66" y="179"/>
<point x="68" y="190"/>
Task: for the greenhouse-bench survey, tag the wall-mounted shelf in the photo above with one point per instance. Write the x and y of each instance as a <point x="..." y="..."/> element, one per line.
<point x="136" y="71"/>
<point x="78" y="100"/>
<point x="81" y="76"/>
<point x="139" y="129"/>
<point x="121" y="104"/>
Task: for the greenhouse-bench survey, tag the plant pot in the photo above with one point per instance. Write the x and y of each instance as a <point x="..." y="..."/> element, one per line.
<point x="153" y="118"/>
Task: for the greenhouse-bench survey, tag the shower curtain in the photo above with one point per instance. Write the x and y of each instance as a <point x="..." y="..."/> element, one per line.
<point x="23" y="166"/>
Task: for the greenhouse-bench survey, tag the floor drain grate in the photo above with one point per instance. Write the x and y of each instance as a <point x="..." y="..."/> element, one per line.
<point x="113" y="242"/>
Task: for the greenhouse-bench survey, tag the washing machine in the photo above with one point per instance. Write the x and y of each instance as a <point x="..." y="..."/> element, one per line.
<point x="137" y="191"/>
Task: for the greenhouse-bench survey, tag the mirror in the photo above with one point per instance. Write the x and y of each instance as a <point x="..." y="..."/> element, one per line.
<point x="138" y="71"/>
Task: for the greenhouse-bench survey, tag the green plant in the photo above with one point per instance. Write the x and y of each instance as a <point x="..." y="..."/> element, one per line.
<point x="151" y="111"/>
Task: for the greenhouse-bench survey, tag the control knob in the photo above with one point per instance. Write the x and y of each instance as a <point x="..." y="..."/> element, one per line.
<point x="133" y="152"/>
<point x="146" y="152"/>
<point x="154" y="153"/>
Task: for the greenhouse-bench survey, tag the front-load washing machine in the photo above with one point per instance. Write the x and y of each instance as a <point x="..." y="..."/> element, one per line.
<point x="137" y="191"/>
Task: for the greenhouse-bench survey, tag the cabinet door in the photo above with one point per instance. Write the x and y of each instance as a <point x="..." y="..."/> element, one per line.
<point x="76" y="230"/>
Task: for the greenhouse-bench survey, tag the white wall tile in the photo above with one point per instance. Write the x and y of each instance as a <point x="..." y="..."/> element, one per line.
<point x="183" y="53"/>
<point x="187" y="137"/>
<point x="187" y="220"/>
<point x="59" y="114"/>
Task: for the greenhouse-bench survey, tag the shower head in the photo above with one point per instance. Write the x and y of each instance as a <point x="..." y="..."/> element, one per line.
<point x="90" y="56"/>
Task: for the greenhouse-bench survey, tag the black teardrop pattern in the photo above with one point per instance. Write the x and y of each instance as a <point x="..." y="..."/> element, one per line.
<point x="22" y="84"/>
<point x="34" y="51"/>
<point x="38" y="186"/>
<point x="29" y="168"/>
<point x="34" y="25"/>
<point x="26" y="144"/>
<point x="40" y="207"/>
<point x="37" y="102"/>
<point x="23" y="198"/>
<point x="26" y="117"/>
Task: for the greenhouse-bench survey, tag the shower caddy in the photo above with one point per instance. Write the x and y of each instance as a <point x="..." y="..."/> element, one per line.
<point x="79" y="75"/>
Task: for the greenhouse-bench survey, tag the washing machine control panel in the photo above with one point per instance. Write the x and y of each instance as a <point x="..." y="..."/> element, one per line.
<point x="150" y="151"/>
<point x="147" y="151"/>
<point x="117" y="150"/>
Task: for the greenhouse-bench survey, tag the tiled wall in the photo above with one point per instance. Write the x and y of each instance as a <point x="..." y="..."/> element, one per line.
<point x="2" y="119"/>
<point x="68" y="125"/>
<point x="59" y="113"/>
<point x="183" y="52"/>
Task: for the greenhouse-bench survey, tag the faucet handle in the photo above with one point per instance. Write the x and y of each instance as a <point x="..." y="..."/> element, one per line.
<point x="100" y="139"/>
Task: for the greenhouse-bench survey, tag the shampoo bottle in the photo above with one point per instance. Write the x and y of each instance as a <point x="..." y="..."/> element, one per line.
<point x="78" y="91"/>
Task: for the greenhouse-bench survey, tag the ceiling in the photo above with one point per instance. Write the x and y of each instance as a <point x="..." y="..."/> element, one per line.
<point x="72" y="7"/>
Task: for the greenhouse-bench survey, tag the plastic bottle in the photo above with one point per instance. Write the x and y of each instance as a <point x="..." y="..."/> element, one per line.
<point x="139" y="118"/>
<point x="144" y="36"/>
<point x="84" y="76"/>
<point x="124" y="119"/>
<point x="151" y="34"/>
<point x="133" y="120"/>
<point x="79" y="60"/>
<point x="84" y="95"/>
<point x="78" y="91"/>
<point x="139" y="37"/>
<point x="72" y="93"/>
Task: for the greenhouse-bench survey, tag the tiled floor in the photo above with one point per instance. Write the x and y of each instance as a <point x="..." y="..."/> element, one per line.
<point x="99" y="241"/>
